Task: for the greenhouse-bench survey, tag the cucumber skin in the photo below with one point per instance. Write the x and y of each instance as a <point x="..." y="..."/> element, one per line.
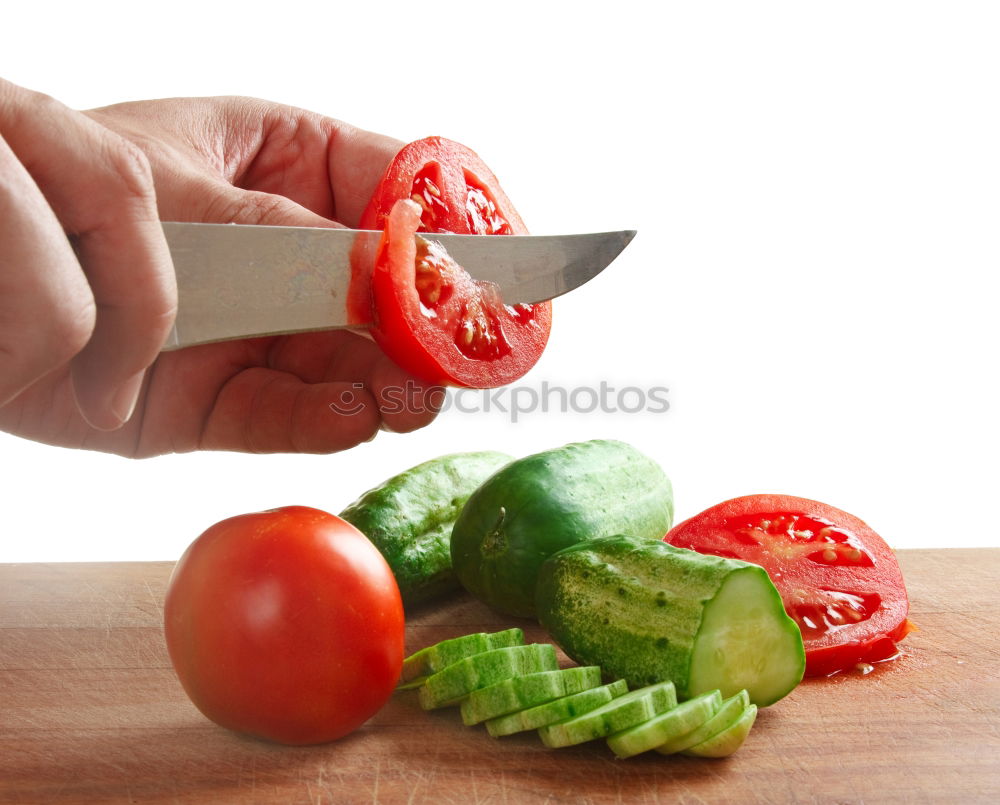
<point x="421" y="664"/>
<point x="410" y="516"/>
<point x="609" y="602"/>
<point x="552" y="500"/>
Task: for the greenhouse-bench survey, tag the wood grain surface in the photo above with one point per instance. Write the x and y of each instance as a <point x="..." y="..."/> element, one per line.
<point x="90" y="711"/>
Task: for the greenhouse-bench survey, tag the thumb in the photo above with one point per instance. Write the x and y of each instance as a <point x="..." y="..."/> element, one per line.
<point x="225" y="204"/>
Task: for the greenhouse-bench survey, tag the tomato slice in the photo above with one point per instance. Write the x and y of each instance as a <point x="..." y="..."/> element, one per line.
<point x="455" y="189"/>
<point x="838" y="579"/>
<point x="439" y="323"/>
<point x="430" y="317"/>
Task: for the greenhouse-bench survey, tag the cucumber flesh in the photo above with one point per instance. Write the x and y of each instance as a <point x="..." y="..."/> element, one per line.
<point x="747" y="642"/>
<point x="422" y="664"/>
<point x="521" y="692"/>
<point x="667" y="726"/>
<point x="562" y="709"/>
<point x="617" y="715"/>
<point x="729" y="740"/>
<point x="730" y="711"/>
<point x="452" y="684"/>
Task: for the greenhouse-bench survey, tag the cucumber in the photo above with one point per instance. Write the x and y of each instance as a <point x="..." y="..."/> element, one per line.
<point x="645" y="611"/>
<point x="409" y="519"/>
<point x="420" y="665"/>
<point x="526" y="691"/>
<point x="617" y="715"/>
<point x="727" y="715"/>
<point x="558" y="710"/>
<point x="667" y="726"/>
<point x="729" y="740"/>
<point x="538" y="505"/>
<point x="452" y="684"/>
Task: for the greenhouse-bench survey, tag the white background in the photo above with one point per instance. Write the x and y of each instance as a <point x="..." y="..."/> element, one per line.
<point x="817" y="192"/>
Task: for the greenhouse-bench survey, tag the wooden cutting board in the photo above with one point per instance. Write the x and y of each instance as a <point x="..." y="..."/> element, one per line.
<point x="90" y="711"/>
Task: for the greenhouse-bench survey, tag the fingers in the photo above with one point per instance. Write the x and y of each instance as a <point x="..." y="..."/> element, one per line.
<point x="263" y="410"/>
<point x="403" y="403"/>
<point x="47" y="310"/>
<point x="100" y="187"/>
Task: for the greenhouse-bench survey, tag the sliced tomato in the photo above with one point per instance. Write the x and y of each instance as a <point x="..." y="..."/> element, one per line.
<point x="440" y="324"/>
<point x="451" y="330"/>
<point x="455" y="189"/>
<point x="838" y="579"/>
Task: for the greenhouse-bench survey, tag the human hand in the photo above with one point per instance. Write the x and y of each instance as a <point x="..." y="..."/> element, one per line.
<point x="81" y="325"/>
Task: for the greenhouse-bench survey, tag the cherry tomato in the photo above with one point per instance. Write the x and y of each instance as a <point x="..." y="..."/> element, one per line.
<point x="285" y="624"/>
<point x="430" y="317"/>
<point x="838" y="579"/>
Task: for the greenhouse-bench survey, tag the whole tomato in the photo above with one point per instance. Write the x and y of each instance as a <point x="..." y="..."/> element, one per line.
<point x="285" y="624"/>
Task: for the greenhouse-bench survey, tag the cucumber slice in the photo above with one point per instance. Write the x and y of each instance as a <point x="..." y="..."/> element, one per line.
<point x="417" y="667"/>
<point x="729" y="740"/>
<point x="646" y="611"/>
<point x="526" y="691"/>
<point x="727" y="715"/>
<point x="458" y="680"/>
<point x="667" y="726"/>
<point x="617" y="715"/>
<point x="559" y="710"/>
<point x="746" y="642"/>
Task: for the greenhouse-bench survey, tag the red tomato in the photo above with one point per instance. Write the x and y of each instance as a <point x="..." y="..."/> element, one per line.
<point x="430" y="317"/>
<point x="838" y="579"/>
<point x="454" y="188"/>
<point x="286" y="625"/>
<point x="438" y="323"/>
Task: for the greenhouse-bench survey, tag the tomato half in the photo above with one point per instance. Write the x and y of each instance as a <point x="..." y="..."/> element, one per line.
<point x="838" y="579"/>
<point x="286" y="625"/>
<point x="455" y="189"/>
<point x="431" y="317"/>
<point x="441" y="325"/>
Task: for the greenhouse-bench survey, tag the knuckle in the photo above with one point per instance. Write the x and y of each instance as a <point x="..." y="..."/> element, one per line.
<point x="249" y="207"/>
<point x="131" y="168"/>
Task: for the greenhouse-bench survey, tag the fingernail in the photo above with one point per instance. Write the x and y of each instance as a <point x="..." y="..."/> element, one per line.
<point x="126" y="396"/>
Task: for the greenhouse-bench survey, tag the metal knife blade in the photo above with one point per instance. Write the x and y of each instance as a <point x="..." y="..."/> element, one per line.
<point x="238" y="281"/>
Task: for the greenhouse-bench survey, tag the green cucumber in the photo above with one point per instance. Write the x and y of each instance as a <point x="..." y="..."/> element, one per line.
<point x="727" y="715"/>
<point x="617" y="715"/>
<point x="522" y="692"/>
<point x="558" y="710"/>
<point x="452" y="684"/>
<point x="538" y="505"/>
<point x="409" y="519"/>
<point x="646" y="611"/>
<point x="420" y="665"/>
<point x="667" y="726"/>
<point x="724" y="743"/>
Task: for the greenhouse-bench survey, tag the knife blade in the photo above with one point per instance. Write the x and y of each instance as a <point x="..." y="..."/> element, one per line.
<point x="240" y="281"/>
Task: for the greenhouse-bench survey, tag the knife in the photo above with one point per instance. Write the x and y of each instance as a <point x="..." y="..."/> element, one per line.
<point x="241" y="281"/>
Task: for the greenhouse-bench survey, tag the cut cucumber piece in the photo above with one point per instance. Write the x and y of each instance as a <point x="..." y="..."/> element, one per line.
<point x="729" y="740"/>
<point x="521" y="692"/>
<point x="727" y="715"/>
<point x="456" y="681"/>
<point x="559" y="710"/>
<point x="617" y="715"/>
<point x="432" y="659"/>
<point x="667" y="726"/>
<point x="646" y="611"/>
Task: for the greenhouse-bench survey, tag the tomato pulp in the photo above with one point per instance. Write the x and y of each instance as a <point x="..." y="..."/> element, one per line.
<point x="286" y="625"/>
<point x="837" y="578"/>
<point x="429" y="315"/>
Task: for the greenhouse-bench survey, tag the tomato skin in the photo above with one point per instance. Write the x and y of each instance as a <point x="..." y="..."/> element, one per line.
<point x="286" y="625"/>
<point x="845" y="590"/>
